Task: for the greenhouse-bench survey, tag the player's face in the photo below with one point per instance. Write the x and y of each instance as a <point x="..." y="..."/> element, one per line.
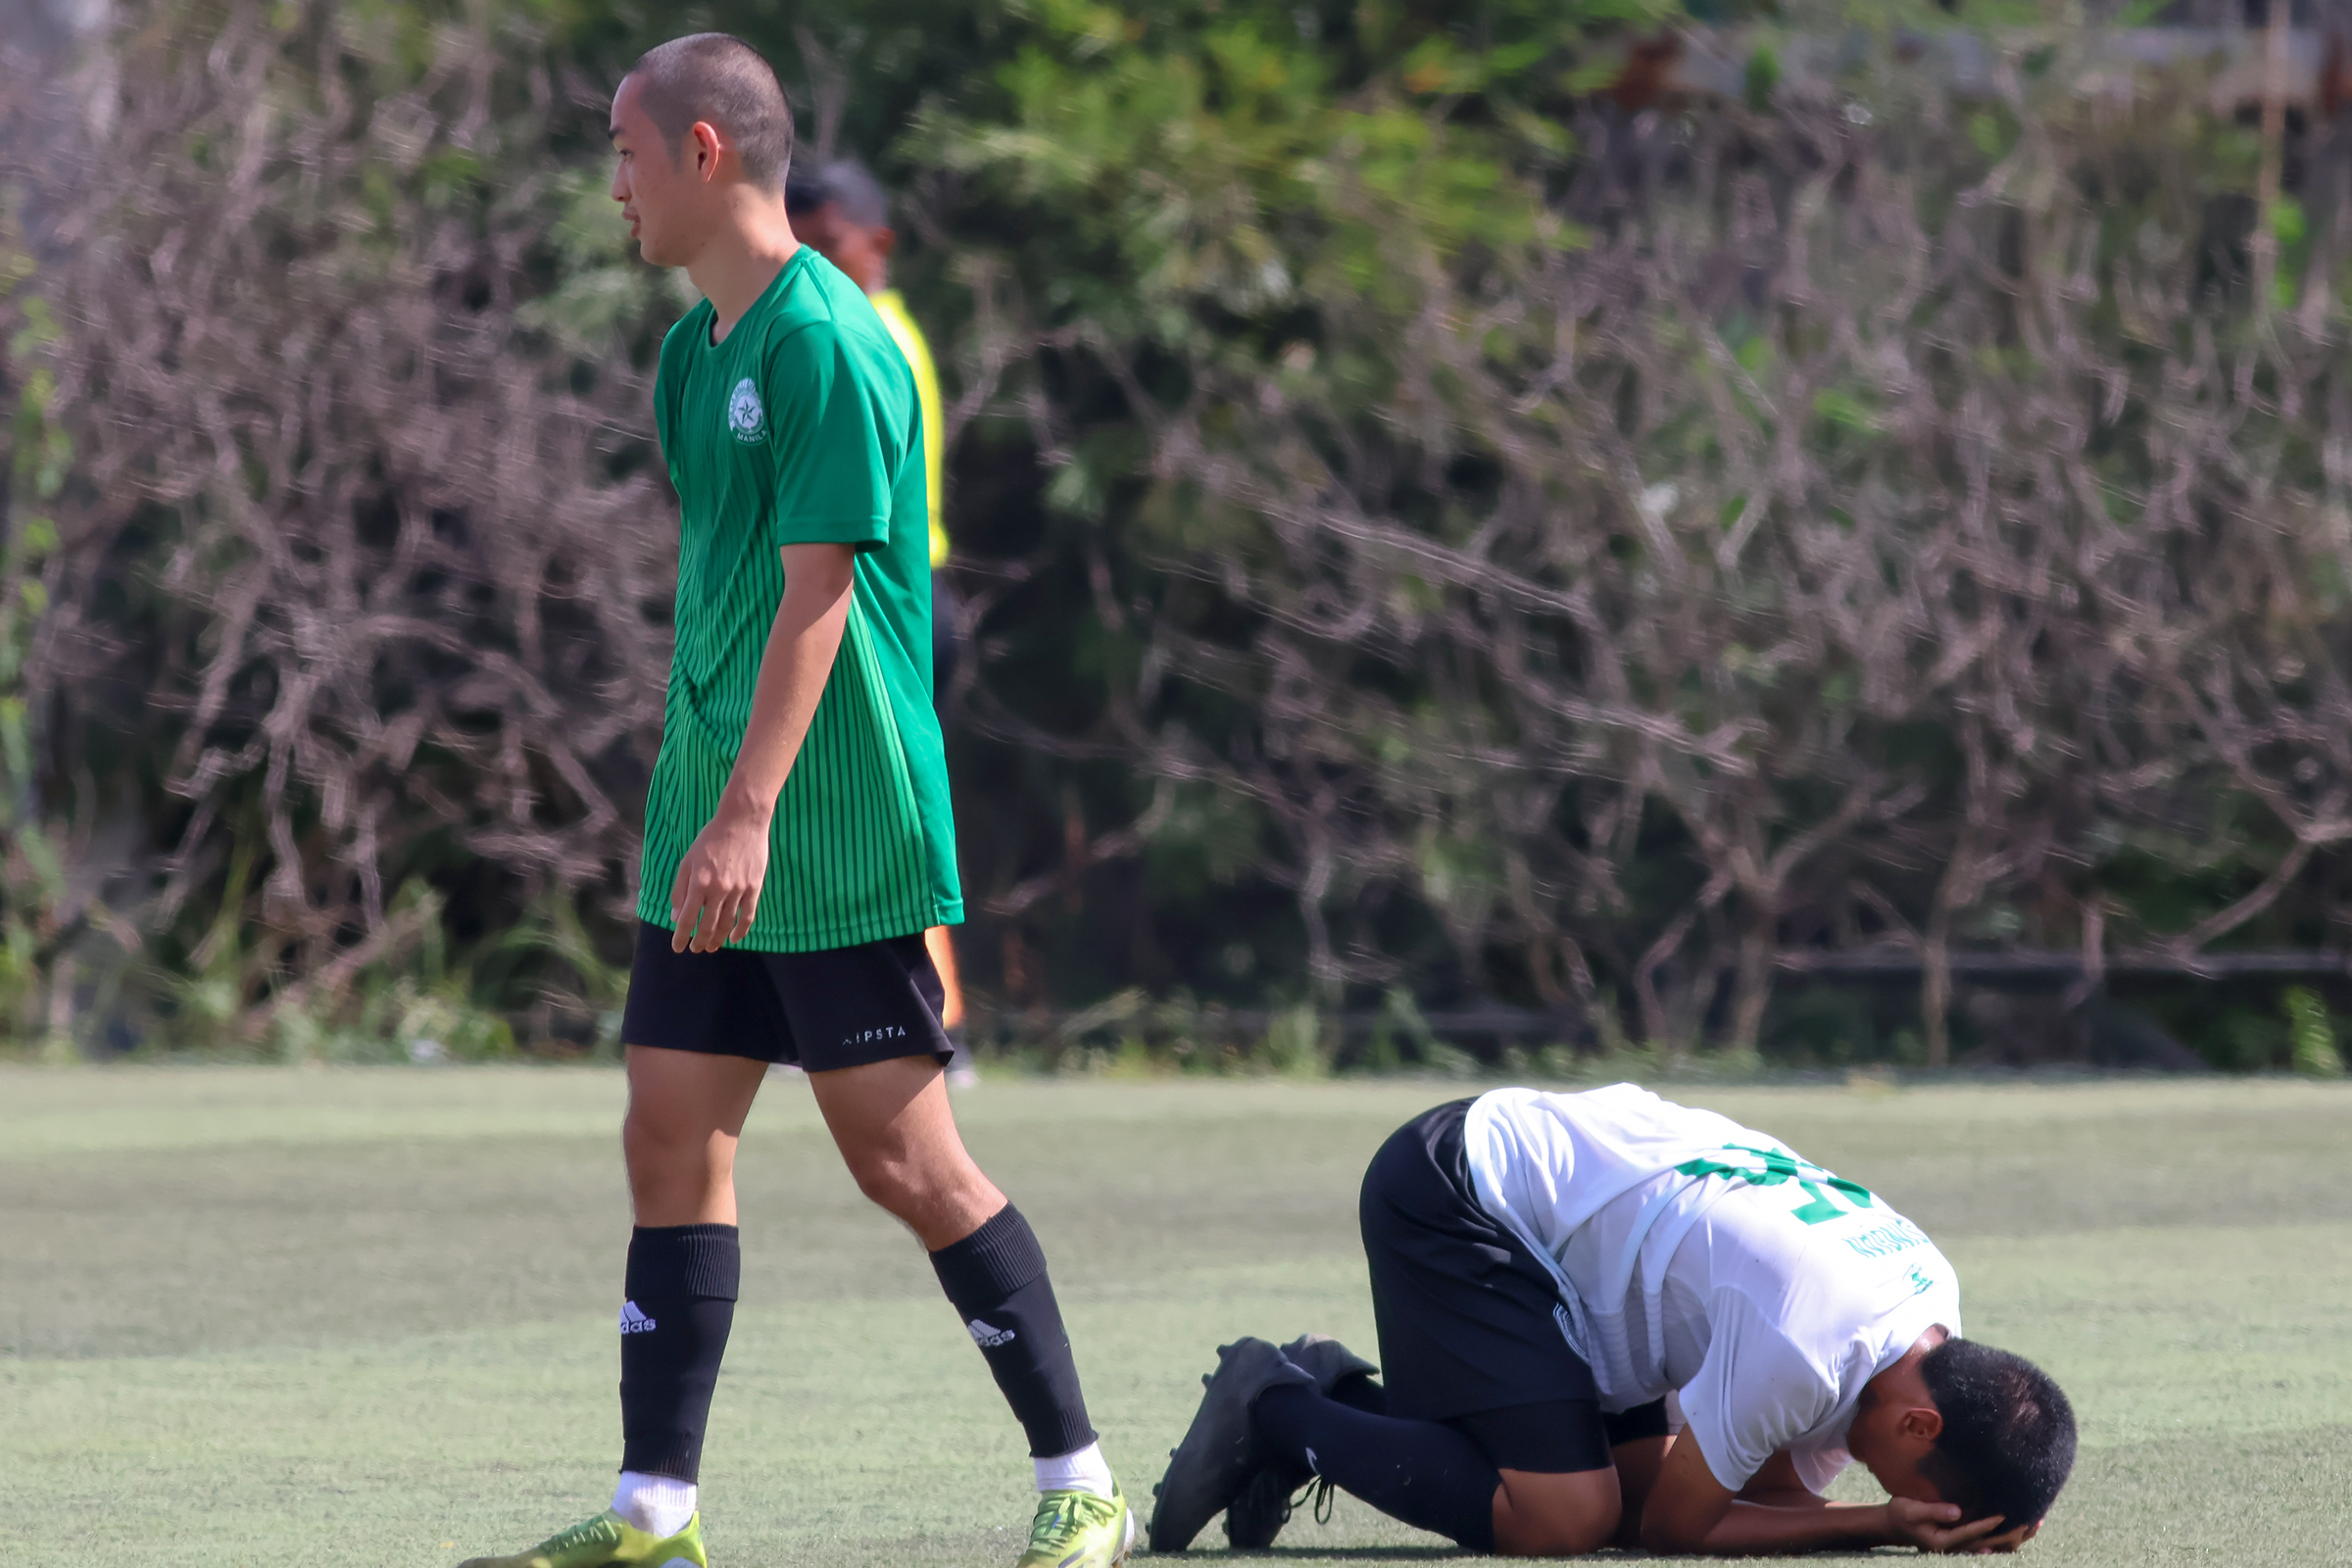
<point x="1890" y="1448"/>
<point x="661" y="200"/>
<point x="859" y="251"/>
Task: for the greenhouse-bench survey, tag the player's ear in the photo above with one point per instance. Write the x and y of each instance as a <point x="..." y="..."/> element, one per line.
<point x="706" y="145"/>
<point x="1921" y="1423"/>
<point x="885" y="239"/>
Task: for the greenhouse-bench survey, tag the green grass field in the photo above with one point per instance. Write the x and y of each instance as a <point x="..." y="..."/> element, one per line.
<point x="265" y="1316"/>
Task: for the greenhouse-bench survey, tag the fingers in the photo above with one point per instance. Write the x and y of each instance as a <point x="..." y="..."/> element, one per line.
<point x="2009" y="1541"/>
<point x="708" y="913"/>
<point x="715" y="895"/>
<point x="680" y="927"/>
<point x="695" y="907"/>
<point x="720" y="929"/>
<point x="1970" y="1537"/>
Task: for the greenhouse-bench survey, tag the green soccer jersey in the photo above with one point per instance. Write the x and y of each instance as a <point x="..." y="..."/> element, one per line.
<point x="804" y="428"/>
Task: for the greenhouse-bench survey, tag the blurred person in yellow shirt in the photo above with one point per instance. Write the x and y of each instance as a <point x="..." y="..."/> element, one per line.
<point x="844" y="213"/>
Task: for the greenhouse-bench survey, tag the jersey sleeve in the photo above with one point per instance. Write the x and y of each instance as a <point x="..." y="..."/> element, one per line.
<point x="1755" y="1392"/>
<point x="1817" y="1467"/>
<point x="837" y="450"/>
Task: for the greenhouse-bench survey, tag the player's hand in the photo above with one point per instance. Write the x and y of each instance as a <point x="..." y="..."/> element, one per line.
<point x="718" y="887"/>
<point x="2008" y="1539"/>
<point x="1937" y="1527"/>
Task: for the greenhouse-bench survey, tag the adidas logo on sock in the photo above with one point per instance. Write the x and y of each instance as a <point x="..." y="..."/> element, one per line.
<point x="634" y="1321"/>
<point x="987" y="1338"/>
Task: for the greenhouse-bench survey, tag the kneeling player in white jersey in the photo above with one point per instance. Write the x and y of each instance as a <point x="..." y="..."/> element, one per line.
<point x="1546" y="1270"/>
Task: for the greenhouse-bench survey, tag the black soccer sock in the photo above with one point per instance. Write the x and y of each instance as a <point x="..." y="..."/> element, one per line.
<point x="682" y="1280"/>
<point x="995" y="1278"/>
<point x="1422" y="1472"/>
<point x="1360" y="1391"/>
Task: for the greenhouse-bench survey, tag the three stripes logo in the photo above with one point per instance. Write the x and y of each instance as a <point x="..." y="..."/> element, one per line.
<point x="634" y="1321"/>
<point x="988" y="1338"/>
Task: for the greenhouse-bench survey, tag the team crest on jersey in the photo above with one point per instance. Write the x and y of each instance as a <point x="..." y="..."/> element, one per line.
<point x="746" y="417"/>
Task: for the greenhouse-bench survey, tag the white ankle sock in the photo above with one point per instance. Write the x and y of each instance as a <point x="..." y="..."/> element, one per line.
<point x="1083" y="1471"/>
<point x="659" y="1505"/>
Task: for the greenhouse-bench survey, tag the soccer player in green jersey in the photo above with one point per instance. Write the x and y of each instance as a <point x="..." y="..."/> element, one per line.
<point x="798" y="839"/>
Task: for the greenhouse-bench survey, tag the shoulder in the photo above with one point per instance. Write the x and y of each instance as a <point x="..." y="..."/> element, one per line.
<point x="832" y="339"/>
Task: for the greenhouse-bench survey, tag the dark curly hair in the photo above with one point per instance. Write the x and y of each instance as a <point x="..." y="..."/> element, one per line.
<point x="2008" y="1438"/>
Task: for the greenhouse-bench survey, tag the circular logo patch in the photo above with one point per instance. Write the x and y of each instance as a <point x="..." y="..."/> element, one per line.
<point x="746" y="416"/>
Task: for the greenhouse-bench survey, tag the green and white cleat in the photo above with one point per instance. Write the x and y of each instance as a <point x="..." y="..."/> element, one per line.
<point x="1079" y="1530"/>
<point x="607" y="1540"/>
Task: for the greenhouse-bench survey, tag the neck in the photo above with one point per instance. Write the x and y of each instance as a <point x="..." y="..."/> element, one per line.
<point x="745" y="255"/>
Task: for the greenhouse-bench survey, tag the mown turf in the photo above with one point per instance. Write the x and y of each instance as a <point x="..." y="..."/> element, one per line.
<point x="256" y="1317"/>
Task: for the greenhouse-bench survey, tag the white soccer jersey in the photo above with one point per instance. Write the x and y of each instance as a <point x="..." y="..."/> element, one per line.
<point x="1694" y="1256"/>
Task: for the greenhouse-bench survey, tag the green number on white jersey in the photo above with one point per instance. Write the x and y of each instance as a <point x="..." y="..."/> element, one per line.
<point x="1773" y="1167"/>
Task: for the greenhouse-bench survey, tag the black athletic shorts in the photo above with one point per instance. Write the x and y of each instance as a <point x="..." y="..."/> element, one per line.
<point x="1468" y="1332"/>
<point x="839" y="1007"/>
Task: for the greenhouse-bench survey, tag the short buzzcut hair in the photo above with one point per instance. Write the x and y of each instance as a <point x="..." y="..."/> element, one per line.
<point x="717" y="77"/>
<point x="2008" y="1438"/>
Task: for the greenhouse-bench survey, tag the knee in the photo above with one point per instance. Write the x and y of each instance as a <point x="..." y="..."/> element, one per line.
<point x="658" y="1151"/>
<point x="890" y="1178"/>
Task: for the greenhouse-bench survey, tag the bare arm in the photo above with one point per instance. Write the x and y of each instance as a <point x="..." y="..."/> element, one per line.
<point x="1688" y="1510"/>
<point x="1779" y="1486"/>
<point x="716" y="892"/>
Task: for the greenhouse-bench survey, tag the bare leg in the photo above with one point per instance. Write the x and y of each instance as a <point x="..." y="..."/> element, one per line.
<point x="1637" y="1463"/>
<point x="892" y="1123"/>
<point x="686" y="1112"/>
<point x="896" y="1132"/>
<point x="1556" y="1515"/>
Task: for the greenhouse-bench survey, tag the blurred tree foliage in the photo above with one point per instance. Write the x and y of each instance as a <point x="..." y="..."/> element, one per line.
<point x="1436" y="518"/>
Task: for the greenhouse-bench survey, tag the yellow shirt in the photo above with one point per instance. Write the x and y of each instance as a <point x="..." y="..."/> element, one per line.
<point x="893" y="311"/>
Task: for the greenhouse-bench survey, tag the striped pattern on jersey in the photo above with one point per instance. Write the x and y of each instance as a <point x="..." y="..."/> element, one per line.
<point x="803" y="426"/>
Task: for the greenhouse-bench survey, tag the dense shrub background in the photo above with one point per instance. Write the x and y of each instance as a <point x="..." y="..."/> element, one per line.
<point x="1438" y="521"/>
